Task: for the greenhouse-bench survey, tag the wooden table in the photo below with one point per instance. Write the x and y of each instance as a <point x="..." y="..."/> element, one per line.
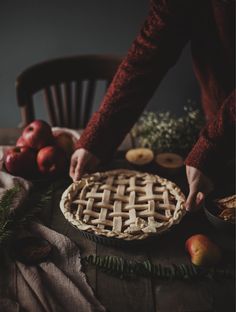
<point x="149" y="294"/>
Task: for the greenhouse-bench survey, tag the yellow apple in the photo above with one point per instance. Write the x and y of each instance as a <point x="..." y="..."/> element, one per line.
<point x="65" y="141"/>
<point x="202" y="250"/>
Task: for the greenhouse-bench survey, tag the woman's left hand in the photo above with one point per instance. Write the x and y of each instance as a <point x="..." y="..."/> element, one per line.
<point x="199" y="186"/>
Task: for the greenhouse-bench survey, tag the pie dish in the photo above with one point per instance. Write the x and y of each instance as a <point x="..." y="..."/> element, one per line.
<point x="123" y="204"/>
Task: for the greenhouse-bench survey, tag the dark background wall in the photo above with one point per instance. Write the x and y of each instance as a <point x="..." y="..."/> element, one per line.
<point x="34" y="30"/>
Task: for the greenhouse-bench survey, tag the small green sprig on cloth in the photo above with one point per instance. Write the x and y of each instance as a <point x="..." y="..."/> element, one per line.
<point x="11" y="221"/>
<point x="164" y="132"/>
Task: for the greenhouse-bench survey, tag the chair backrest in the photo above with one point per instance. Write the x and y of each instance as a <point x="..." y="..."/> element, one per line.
<point x="69" y="86"/>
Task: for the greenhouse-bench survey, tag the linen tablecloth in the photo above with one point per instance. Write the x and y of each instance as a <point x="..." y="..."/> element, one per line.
<point x="55" y="285"/>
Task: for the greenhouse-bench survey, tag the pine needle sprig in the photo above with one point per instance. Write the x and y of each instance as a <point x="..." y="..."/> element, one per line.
<point x="6" y="203"/>
<point x="124" y="268"/>
<point x="12" y="221"/>
<point x="36" y="202"/>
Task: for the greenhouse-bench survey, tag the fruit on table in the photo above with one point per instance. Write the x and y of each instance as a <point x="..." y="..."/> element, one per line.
<point x="20" y="142"/>
<point x="65" y="141"/>
<point x="40" y="151"/>
<point x="37" y="135"/>
<point x="21" y="161"/>
<point x="52" y="160"/>
<point x="169" y="162"/>
<point x="202" y="250"/>
<point x="139" y="156"/>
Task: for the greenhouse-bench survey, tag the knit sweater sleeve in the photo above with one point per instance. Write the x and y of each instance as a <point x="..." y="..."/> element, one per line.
<point x="155" y="49"/>
<point x="216" y="143"/>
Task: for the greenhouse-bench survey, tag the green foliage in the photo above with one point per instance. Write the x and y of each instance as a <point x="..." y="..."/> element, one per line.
<point x="11" y="221"/>
<point x="164" y="132"/>
<point x="5" y="206"/>
<point x="124" y="268"/>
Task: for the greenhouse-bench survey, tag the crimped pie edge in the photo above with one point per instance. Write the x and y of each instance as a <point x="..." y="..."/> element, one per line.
<point x="89" y="178"/>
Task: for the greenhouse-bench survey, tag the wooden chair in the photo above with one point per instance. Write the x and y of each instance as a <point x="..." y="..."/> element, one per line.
<point x="69" y="87"/>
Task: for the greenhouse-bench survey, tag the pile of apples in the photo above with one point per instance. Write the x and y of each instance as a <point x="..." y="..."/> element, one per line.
<point x="40" y="152"/>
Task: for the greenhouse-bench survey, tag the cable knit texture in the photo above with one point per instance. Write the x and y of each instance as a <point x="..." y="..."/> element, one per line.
<point x="215" y="145"/>
<point x="209" y="26"/>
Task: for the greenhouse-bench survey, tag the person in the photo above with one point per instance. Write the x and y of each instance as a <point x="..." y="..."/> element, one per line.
<point x="209" y="27"/>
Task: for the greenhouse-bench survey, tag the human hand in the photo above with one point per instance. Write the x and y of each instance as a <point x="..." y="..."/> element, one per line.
<point x="199" y="186"/>
<point x="81" y="162"/>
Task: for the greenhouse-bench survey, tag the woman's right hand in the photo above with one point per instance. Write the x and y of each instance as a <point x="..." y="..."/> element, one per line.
<point x="82" y="161"/>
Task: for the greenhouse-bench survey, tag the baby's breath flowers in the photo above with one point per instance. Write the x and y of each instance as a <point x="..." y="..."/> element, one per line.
<point x="164" y="132"/>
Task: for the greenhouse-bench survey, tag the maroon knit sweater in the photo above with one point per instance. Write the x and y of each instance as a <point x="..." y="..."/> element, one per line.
<point x="209" y="26"/>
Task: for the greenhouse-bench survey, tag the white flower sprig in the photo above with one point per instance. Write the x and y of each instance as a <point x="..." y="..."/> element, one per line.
<point x="164" y="132"/>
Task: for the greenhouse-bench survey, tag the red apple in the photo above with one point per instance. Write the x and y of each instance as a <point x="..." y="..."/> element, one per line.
<point x="202" y="250"/>
<point x="38" y="134"/>
<point x="20" y="142"/>
<point x="21" y="161"/>
<point x="52" y="160"/>
<point x="65" y="141"/>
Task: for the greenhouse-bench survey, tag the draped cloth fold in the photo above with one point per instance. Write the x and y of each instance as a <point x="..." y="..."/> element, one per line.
<point x="55" y="285"/>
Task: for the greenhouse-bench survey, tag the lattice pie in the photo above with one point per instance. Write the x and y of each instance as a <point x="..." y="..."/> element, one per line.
<point x="123" y="204"/>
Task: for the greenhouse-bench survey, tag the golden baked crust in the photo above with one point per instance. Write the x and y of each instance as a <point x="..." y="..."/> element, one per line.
<point x="228" y="202"/>
<point x="227" y="206"/>
<point x="124" y="204"/>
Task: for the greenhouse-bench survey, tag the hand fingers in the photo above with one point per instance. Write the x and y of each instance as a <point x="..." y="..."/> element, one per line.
<point x="78" y="161"/>
<point x="190" y="202"/>
<point x="76" y="168"/>
<point x="200" y="199"/>
<point x="81" y="160"/>
<point x="194" y="201"/>
<point x="79" y="170"/>
<point x="73" y="164"/>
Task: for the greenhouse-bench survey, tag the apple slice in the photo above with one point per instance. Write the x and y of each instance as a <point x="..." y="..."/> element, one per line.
<point x="169" y="162"/>
<point x="139" y="156"/>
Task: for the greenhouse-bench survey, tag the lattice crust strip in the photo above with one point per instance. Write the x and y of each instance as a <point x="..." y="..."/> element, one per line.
<point x="123" y="203"/>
